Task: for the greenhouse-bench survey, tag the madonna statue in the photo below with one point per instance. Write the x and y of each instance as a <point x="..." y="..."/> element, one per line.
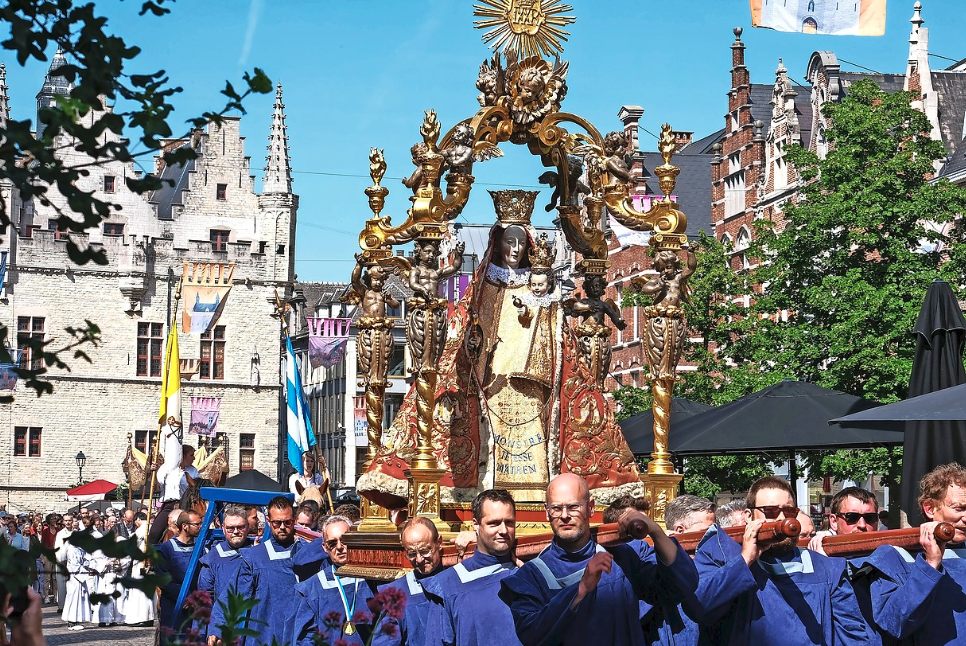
<point x="514" y="404"/>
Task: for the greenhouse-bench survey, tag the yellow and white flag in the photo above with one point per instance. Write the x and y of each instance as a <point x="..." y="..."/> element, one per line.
<point x="829" y="17"/>
<point x="171" y="380"/>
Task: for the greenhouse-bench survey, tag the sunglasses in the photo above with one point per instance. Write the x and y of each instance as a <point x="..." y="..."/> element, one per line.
<point x="771" y="512"/>
<point x="335" y="542"/>
<point x="282" y="523"/>
<point x="852" y="517"/>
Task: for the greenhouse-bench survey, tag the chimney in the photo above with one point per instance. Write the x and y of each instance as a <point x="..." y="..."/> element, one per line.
<point x="681" y="139"/>
<point x="630" y="116"/>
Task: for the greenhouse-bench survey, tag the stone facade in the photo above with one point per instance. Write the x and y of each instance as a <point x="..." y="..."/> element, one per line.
<point x="211" y="214"/>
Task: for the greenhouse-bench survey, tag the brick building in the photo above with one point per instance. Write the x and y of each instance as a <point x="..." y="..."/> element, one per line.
<point x="211" y="214"/>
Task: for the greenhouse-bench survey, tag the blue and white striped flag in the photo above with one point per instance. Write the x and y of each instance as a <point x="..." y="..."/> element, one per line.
<point x="299" y="427"/>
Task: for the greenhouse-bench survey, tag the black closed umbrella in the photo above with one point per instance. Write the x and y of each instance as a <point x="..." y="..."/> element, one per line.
<point x="639" y="429"/>
<point x="940" y="333"/>
<point x="252" y="480"/>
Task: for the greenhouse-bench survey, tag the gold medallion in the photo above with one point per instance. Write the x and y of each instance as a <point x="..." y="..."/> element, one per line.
<point x="348" y="628"/>
<point x="524" y="27"/>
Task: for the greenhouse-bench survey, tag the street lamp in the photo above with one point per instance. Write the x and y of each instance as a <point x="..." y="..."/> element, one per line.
<point x="81" y="461"/>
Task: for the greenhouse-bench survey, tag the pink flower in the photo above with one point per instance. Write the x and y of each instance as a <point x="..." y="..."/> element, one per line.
<point x="198" y="605"/>
<point x="392" y="601"/>
<point x="389" y="629"/>
<point x="375" y="604"/>
<point x="361" y="617"/>
<point x="341" y="641"/>
<point x="332" y="618"/>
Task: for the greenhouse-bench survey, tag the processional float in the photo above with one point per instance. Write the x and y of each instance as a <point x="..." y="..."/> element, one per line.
<point x="521" y="93"/>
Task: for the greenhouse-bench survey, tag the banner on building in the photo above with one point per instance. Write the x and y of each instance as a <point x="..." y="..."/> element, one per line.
<point x="360" y="426"/>
<point x="827" y="17"/>
<point x="204" y="415"/>
<point x="328" y="338"/>
<point x="8" y="378"/>
<point x="204" y="288"/>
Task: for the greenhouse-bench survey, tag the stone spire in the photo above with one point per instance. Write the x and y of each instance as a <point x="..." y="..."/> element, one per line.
<point x="53" y="85"/>
<point x="278" y="171"/>
<point x="4" y="100"/>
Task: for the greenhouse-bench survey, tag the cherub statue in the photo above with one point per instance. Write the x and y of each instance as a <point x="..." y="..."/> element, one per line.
<point x="670" y="286"/>
<point x="415" y="181"/>
<point x="536" y="89"/>
<point x="594" y="306"/>
<point x="426" y="323"/>
<point x="375" y="344"/>
<point x="593" y="335"/>
<point x="615" y="162"/>
<point x="575" y="169"/>
<point x="490" y="81"/>
<point x="460" y="156"/>
<point x="367" y="289"/>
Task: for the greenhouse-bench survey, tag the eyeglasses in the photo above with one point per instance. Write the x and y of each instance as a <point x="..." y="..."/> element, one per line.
<point x="426" y="554"/>
<point x="852" y="517"/>
<point x="194" y="524"/>
<point x="556" y="511"/>
<point x="332" y="544"/>
<point x="771" y="512"/>
<point x="282" y="523"/>
<point x="238" y="529"/>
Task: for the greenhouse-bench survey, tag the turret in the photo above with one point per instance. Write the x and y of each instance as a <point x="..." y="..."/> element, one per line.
<point x="278" y="171"/>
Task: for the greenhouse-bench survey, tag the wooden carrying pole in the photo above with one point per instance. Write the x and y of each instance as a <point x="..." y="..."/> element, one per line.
<point x="863" y="543"/>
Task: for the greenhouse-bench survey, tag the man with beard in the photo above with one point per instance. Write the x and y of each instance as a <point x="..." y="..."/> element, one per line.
<point x="220" y="565"/>
<point x="577" y="592"/>
<point x="424" y="550"/>
<point x="466" y="609"/>
<point x="330" y="605"/>
<point x="756" y="593"/>
<point x="265" y="573"/>
<point x="852" y="510"/>
<point x="921" y="599"/>
<point x="176" y="554"/>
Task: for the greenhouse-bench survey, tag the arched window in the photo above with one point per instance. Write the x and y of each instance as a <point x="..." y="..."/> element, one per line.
<point x="809" y="26"/>
<point x="811" y="6"/>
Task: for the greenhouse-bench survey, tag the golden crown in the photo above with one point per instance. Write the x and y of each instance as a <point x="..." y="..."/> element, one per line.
<point x="514" y="206"/>
<point x="541" y="256"/>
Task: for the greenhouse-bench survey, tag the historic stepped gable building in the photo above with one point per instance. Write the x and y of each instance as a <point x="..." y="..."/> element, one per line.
<point x="750" y="176"/>
<point x="211" y="214"/>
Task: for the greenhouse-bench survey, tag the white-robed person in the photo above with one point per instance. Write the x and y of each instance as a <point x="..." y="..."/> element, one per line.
<point x="107" y="582"/>
<point x="77" y="605"/>
<point x="138" y="608"/>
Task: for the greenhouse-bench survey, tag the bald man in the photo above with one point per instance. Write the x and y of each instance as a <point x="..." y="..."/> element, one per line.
<point x="577" y="592"/>
<point x="424" y="550"/>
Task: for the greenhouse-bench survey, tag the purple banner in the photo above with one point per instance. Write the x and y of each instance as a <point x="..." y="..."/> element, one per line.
<point x="204" y="415"/>
<point x="325" y="352"/>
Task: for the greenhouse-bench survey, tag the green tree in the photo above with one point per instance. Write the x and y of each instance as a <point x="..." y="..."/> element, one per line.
<point x="97" y="66"/>
<point x="858" y="250"/>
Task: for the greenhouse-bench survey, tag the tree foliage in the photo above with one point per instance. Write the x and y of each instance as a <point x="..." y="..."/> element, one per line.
<point x="107" y="108"/>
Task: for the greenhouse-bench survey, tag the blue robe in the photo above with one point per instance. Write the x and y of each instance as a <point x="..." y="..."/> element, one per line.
<point x="216" y="569"/>
<point x="176" y="556"/>
<point x="799" y="599"/>
<point x="915" y="602"/>
<point x="662" y="618"/>
<point x="413" y="625"/>
<point x="467" y="609"/>
<point x="265" y="573"/>
<point x="319" y="596"/>
<point x="540" y="594"/>
<point x="311" y="558"/>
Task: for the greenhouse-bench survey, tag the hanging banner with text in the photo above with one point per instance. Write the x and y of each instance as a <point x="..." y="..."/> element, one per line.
<point x="204" y="415"/>
<point x="328" y="338"/>
<point x="204" y="288"/>
<point x="828" y="17"/>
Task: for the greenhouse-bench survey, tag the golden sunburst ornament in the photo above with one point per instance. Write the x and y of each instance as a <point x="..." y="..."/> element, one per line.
<point x="522" y="28"/>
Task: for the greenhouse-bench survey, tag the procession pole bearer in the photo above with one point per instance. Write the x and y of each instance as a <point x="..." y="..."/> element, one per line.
<point x="169" y="417"/>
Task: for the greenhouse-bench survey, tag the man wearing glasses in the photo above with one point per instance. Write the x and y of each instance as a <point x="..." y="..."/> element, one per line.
<point x="775" y="592"/>
<point x="466" y="609"/>
<point x="175" y="554"/>
<point x="265" y="573"/>
<point x="852" y="510"/>
<point x="328" y="604"/>
<point x="424" y="550"/>
<point x="577" y="592"/>
<point x="220" y="565"/>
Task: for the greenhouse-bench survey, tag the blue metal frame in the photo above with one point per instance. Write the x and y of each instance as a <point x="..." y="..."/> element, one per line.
<point x="216" y="498"/>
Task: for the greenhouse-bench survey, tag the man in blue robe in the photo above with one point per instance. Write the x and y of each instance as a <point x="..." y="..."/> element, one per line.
<point x="922" y="599"/>
<point x="264" y="574"/>
<point x="424" y="549"/>
<point x="331" y="606"/>
<point x="175" y="555"/>
<point x="577" y="592"/>
<point x="754" y="593"/>
<point x="220" y="565"/>
<point x="466" y="609"/>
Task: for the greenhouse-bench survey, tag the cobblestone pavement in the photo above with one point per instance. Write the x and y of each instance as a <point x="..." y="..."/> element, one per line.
<point x="55" y="630"/>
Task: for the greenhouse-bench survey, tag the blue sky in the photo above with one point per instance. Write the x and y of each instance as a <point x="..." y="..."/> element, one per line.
<point x="359" y="73"/>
